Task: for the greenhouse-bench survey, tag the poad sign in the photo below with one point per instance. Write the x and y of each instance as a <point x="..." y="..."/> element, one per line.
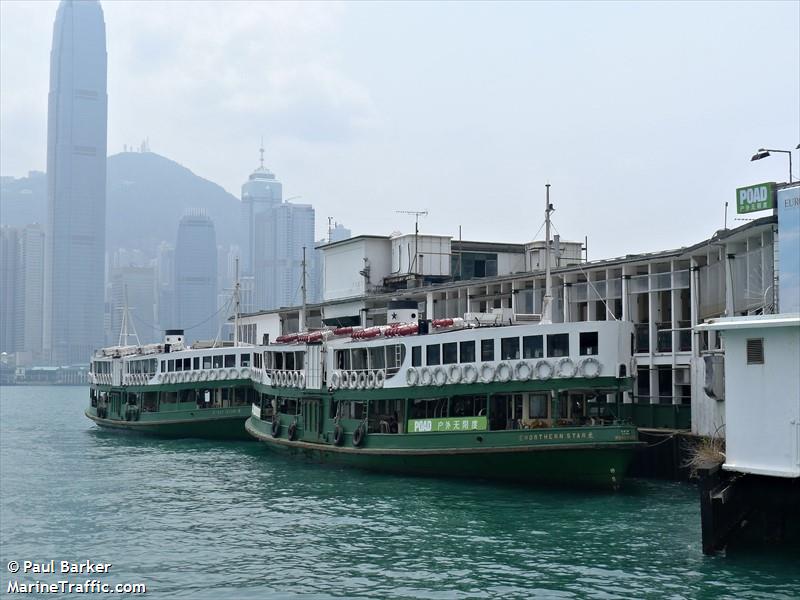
<point x="755" y="197"/>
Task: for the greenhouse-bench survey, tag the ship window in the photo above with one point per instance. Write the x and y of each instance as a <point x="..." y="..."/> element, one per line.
<point x="755" y="351"/>
<point x="377" y="358"/>
<point x="179" y="364"/>
<point x="163" y="366"/>
<point x="278" y="357"/>
<point x="187" y="364"/>
<point x="230" y="360"/>
<point x="558" y="345"/>
<point x="206" y="362"/>
<point x="359" y="357"/>
<point x="509" y="348"/>
<point x="289" y="358"/>
<point x="395" y="355"/>
<point x="467" y="351"/>
<point x="433" y="354"/>
<point x="298" y="360"/>
<point x="449" y="353"/>
<point x="244" y="360"/>
<point x="487" y="350"/>
<point x="196" y="362"/>
<point x="217" y="361"/>
<point x="357" y="409"/>
<point x="343" y="359"/>
<point x="416" y="356"/>
<point x="532" y="346"/>
<point x="588" y="341"/>
<point x="171" y="366"/>
<point x="537" y="409"/>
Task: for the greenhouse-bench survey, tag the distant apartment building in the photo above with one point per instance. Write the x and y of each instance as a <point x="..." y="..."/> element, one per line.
<point x="76" y="185"/>
<point x="196" y="277"/>
<point x="22" y="292"/>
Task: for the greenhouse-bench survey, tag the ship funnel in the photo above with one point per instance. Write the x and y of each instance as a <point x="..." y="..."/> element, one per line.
<point x="402" y="311"/>
<point x="173" y="337"/>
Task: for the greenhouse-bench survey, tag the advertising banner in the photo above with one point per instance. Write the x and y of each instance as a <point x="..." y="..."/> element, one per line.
<point x="755" y="197"/>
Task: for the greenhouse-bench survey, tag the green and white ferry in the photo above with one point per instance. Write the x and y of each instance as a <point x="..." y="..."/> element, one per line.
<point x="452" y="398"/>
<point x="172" y="390"/>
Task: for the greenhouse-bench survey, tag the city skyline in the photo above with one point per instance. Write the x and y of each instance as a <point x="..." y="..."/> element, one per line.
<point x="473" y="128"/>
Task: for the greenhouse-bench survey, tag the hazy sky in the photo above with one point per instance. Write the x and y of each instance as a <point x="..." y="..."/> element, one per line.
<point x="643" y="116"/>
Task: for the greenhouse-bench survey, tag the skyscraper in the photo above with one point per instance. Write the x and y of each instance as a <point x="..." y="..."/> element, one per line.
<point x="196" y="277"/>
<point x="76" y="184"/>
<point x="31" y="287"/>
<point x="9" y="288"/>
<point x="260" y="193"/>
<point x="281" y="234"/>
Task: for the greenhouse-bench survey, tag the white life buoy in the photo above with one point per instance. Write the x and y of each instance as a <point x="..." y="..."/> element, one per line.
<point x="543" y="370"/>
<point x="233" y="373"/>
<point x="362" y="380"/>
<point x="439" y="376"/>
<point x="454" y="373"/>
<point x="336" y="379"/>
<point x="412" y="376"/>
<point x="371" y="380"/>
<point x="425" y="376"/>
<point x="566" y="368"/>
<point x="503" y="372"/>
<point x="345" y="383"/>
<point x="301" y="381"/>
<point x="352" y="380"/>
<point x="203" y="375"/>
<point x="487" y="373"/>
<point x="470" y="373"/>
<point x="380" y="378"/>
<point x="590" y="367"/>
<point x="244" y="373"/>
<point x="296" y="379"/>
<point x="522" y="371"/>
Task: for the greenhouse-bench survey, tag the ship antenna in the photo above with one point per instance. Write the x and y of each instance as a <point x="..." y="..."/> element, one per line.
<point x="126" y="321"/>
<point x="417" y="214"/>
<point x="236" y="305"/>
<point x="547" y="301"/>
<point x="303" y="288"/>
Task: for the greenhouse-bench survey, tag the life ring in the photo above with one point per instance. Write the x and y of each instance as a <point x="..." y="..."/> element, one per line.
<point x="590" y="367"/>
<point x="439" y="376"/>
<point x="487" y="373"/>
<point x="336" y="379"/>
<point x="301" y="381"/>
<point x="470" y="374"/>
<point x="358" y="436"/>
<point x="412" y="376"/>
<point x="425" y="376"/>
<point x="338" y="435"/>
<point x="295" y="378"/>
<point x="244" y="373"/>
<point x="522" y="371"/>
<point x="352" y="379"/>
<point x="345" y="382"/>
<point x="276" y="426"/>
<point x="203" y="375"/>
<point x="543" y="370"/>
<point x="380" y="378"/>
<point x="566" y="368"/>
<point x="362" y="380"/>
<point x="503" y="372"/>
<point x="371" y="380"/>
<point x="454" y="373"/>
<point x="292" y="433"/>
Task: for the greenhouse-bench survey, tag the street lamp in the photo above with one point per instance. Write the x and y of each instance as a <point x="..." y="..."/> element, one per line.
<point x="765" y="152"/>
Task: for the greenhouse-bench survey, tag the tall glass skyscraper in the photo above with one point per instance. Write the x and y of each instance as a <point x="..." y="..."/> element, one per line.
<point x="76" y="184"/>
<point x="196" y="277"/>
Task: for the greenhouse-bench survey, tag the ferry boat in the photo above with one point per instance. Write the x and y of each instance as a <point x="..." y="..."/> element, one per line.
<point x="506" y="402"/>
<point x="171" y="390"/>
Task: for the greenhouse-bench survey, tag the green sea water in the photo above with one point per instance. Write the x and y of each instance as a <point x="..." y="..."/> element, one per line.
<point x="195" y="519"/>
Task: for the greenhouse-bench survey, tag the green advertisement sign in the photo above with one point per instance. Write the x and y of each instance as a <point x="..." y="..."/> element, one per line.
<point x="755" y="197"/>
<point x="445" y="425"/>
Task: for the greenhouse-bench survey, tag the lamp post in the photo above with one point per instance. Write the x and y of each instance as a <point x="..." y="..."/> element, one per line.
<point x="765" y="152"/>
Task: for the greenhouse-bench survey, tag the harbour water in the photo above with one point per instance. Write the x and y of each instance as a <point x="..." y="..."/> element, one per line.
<point x="194" y="519"/>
